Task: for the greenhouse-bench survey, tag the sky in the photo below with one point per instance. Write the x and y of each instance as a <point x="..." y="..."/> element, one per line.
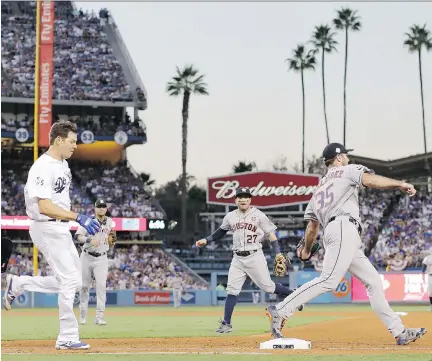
<point x="254" y="110"/>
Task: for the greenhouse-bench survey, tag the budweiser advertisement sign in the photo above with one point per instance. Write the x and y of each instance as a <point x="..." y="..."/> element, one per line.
<point x="269" y="189"/>
<point x="120" y="224"/>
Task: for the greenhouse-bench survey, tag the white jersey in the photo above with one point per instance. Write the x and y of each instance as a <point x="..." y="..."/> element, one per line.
<point x="101" y="236"/>
<point x="177" y="283"/>
<point x="248" y="228"/>
<point x="428" y="262"/>
<point x="48" y="178"/>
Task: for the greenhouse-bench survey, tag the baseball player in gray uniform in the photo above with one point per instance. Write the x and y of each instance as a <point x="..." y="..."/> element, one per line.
<point x="177" y="288"/>
<point x="249" y="226"/>
<point x="427" y="268"/>
<point x="94" y="261"/>
<point x="335" y="206"/>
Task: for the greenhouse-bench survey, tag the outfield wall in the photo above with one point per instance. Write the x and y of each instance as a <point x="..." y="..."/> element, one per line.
<point x="408" y="287"/>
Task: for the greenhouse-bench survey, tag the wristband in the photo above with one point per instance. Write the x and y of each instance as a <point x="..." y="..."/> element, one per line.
<point x="275" y="245"/>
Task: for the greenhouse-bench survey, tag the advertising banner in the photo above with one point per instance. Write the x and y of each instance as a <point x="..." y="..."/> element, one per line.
<point x="341" y="294"/>
<point x="45" y="65"/>
<point x="111" y="298"/>
<point x="120" y="224"/>
<point x="398" y="287"/>
<point x="152" y="298"/>
<point x="269" y="189"/>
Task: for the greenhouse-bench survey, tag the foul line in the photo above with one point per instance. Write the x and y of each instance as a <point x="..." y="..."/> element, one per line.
<point x="379" y="348"/>
<point x="145" y="353"/>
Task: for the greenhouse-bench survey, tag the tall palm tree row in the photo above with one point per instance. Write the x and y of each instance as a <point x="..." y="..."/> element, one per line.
<point x="346" y="20"/>
<point x="323" y="40"/>
<point x="186" y="82"/>
<point x="301" y="60"/>
<point x="417" y="39"/>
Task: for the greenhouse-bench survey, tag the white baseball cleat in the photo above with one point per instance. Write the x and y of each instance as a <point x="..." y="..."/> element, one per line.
<point x="72" y="345"/>
<point x="100" y="322"/>
<point x="83" y="317"/>
<point x="10" y="292"/>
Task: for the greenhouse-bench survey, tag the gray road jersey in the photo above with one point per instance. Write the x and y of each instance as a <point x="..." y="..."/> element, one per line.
<point x="248" y="228"/>
<point x="337" y="194"/>
<point x="177" y="282"/>
<point x="102" y="236"/>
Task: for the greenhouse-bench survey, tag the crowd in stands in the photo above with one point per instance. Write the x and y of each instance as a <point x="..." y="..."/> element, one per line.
<point x="135" y="267"/>
<point x="121" y="189"/>
<point x="116" y="184"/>
<point x="100" y="125"/>
<point x="408" y="233"/>
<point x="85" y="67"/>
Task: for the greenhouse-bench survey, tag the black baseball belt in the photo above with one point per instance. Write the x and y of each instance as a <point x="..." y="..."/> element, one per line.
<point x="58" y="220"/>
<point x="94" y="254"/>
<point x="352" y="220"/>
<point x="245" y="253"/>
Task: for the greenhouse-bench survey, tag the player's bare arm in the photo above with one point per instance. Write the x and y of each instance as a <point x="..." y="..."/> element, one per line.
<point x="380" y="182"/>
<point x="84" y="239"/>
<point x="311" y="234"/>
<point x="216" y="235"/>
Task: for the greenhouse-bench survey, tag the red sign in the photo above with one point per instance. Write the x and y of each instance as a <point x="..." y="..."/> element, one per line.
<point x="152" y="298"/>
<point x="46" y="40"/>
<point x="397" y="287"/>
<point x="120" y="224"/>
<point x="269" y="189"/>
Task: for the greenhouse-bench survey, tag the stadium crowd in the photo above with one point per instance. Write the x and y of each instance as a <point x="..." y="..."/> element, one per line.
<point x="135" y="267"/>
<point x="100" y="125"/>
<point x="407" y="235"/>
<point x="85" y="67"/>
<point x="122" y="190"/>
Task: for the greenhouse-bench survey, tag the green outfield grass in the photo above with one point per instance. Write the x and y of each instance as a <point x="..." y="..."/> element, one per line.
<point x="42" y="324"/>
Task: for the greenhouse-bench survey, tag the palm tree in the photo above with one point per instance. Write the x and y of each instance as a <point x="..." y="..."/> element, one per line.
<point x="347" y="19"/>
<point x="186" y="82"/>
<point x="302" y="60"/>
<point x="242" y="167"/>
<point x="418" y="38"/>
<point x="323" y="40"/>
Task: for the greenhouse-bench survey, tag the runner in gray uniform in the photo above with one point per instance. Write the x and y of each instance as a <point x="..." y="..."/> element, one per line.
<point x="94" y="260"/>
<point x="249" y="226"/>
<point x="177" y="287"/>
<point x="335" y="207"/>
<point x="427" y="267"/>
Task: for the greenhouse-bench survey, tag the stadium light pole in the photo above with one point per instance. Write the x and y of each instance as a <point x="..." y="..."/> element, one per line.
<point x="36" y="114"/>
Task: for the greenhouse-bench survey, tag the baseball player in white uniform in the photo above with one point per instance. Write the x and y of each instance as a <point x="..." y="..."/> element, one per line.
<point x="249" y="226"/>
<point x="94" y="261"/>
<point x="177" y="286"/>
<point x="427" y="268"/>
<point x="335" y="206"/>
<point x="48" y="205"/>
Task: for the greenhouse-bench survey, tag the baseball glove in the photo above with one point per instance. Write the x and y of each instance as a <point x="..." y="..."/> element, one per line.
<point x="301" y="245"/>
<point x="112" y="238"/>
<point x="280" y="266"/>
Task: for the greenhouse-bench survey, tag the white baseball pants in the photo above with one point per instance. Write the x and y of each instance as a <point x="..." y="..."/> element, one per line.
<point x="54" y="241"/>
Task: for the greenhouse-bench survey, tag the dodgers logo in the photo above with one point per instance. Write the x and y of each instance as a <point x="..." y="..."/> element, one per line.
<point x="343" y="289"/>
<point x="60" y="184"/>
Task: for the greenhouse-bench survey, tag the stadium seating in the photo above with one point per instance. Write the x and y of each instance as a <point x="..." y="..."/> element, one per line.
<point x="121" y="189"/>
<point x="84" y="65"/>
<point x="134" y="267"/>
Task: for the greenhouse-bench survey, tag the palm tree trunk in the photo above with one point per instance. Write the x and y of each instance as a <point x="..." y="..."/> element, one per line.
<point x="422" y="101"/>
<point x="324" y="97"/>
<point x="304" y="122"/>
<point x="344" y="91"/>
<point x="185" y="115"/>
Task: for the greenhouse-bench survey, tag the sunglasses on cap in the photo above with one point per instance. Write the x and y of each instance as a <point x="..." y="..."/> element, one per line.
<point x="101" y="206"/>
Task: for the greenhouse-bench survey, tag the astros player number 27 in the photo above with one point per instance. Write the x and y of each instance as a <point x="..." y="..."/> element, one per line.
<point x="249" y="227"/>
